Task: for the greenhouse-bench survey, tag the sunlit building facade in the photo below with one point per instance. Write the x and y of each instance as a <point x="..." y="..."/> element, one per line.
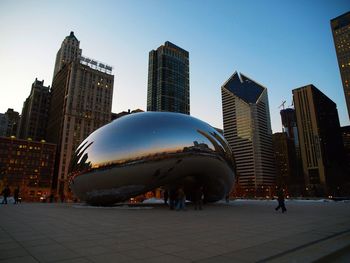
<point x="81" y="102"/>
<point x="35" y="113"/>
<point x="28" y="165"/>
<point x="341" y="36"/>
<point x="68" y="52"/>
<point x="168" y="79"/>
<point x="247" y="129"/>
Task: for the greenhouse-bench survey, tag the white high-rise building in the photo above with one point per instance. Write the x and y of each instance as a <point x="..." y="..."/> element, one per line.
<point x="247" y="128"/>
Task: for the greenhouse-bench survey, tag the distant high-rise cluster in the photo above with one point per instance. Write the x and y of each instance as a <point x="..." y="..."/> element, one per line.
<point x="310" y="156"/>
<point x="247" y="128"/>
<point x="341" y="35"/>
<point x="168" y="79"/>
<point x="78" y="102"/>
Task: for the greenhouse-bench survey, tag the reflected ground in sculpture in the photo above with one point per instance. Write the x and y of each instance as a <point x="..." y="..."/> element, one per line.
<point x="140" y="152"/>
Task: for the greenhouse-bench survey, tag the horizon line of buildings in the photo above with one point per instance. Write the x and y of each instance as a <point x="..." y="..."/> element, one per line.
<point x="310" y="156"/>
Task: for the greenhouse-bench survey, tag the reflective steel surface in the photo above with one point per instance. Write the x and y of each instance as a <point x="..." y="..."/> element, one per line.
<point x="140" y="152"/>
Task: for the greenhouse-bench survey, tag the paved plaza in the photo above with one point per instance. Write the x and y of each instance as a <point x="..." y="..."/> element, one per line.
<point x="241" y="231"/>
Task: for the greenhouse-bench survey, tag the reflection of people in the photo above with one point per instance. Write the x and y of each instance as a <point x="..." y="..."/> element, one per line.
<point x="227" y="198"/>
<point x="16" y="195"/>
<point x="5" y="193"/>
<point x="165" y="196"/>
<point x="280" y="199"/>
<point x="51" y="198"/>
<point x="62" y="197"/>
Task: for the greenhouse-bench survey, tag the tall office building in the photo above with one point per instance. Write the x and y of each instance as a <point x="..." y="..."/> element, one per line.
<point x="9" y="123"/>
<point x="168" y="79"/>
<point x="284" y="151"/>
<point x="289" y="122"/>
<point x="320" y="139"/>
<point x="68" y="52"/>
<point x="289" y="126"/>
<point x="247" y="129"/>
<point x="81" y="102"/>
<point x="341" y="36"/>
<point x="35" y="113"/>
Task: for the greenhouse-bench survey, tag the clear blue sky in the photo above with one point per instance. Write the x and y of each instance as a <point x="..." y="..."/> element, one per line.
<point x="280" y="44"/>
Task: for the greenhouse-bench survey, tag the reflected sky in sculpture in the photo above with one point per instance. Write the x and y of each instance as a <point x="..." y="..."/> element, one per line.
<point x="142" y="151"/>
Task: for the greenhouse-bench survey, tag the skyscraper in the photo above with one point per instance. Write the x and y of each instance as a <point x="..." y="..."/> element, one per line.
<point x="247" y="129"/>
<point x="35" y="113"/>
<point x="81" y="102"/>
<point x="68" y="52"/>
<point x="168" y="79"/>
<point x="9" y="123"/>
<point x="289" y="126"/>
<point x="341" y="36"/>
<point x="320" y="139"/>
<point x="284" y="151"/>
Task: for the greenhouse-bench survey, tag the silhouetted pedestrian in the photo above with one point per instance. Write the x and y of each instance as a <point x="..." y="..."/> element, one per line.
<point x="165" y="196"/>
<point x="181" y="198"/>
<point x="62" y="197"/>
<point x="198" y="202"/>
<point x="172" y="198"/>
<point x="227" y="198"/>
<point x="16" y="195"/>
<point x="5" y="193"/>
<point x="280" y="199"/>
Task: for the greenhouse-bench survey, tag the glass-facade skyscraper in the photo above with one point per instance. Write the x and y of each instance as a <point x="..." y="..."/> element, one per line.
<point x="341" y="36"/>
<point x="168" y="79"/>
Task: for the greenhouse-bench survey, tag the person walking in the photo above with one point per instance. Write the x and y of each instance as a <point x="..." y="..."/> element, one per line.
<point x="172" y="198"/>
<point x="181" y="198"/>
<point x="165" y="196"/>
<point x="198" y="202"/>
<point x="16" y="195"/>
<point x="5" y="193"/>
<point x="280" y="199"/>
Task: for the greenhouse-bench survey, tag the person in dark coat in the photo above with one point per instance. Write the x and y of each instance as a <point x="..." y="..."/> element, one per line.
<point x="181" y="199"/>
<point x="6" y="193"/>
<point x="280" y="199"/>
<point x="16" y="195"/>
<point x="166" y="196"/>
<point x="172" y="198"/>
<point x="198" y="202"/>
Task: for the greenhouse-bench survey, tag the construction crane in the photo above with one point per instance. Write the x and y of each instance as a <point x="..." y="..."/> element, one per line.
<point x="292" y="104"/>
<point x="282" y="105"/>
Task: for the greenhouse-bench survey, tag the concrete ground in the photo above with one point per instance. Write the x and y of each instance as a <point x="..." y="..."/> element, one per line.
<point x="242" y="231"/>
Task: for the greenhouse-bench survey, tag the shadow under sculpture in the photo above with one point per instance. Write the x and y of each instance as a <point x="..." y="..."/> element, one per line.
<point x="140" y="152"/>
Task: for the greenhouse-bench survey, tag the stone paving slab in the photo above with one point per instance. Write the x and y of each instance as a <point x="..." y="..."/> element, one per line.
<point x="241" y="231"/>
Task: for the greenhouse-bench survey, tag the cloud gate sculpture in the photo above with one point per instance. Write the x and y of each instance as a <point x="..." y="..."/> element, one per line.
<point x="140" y="152"/>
